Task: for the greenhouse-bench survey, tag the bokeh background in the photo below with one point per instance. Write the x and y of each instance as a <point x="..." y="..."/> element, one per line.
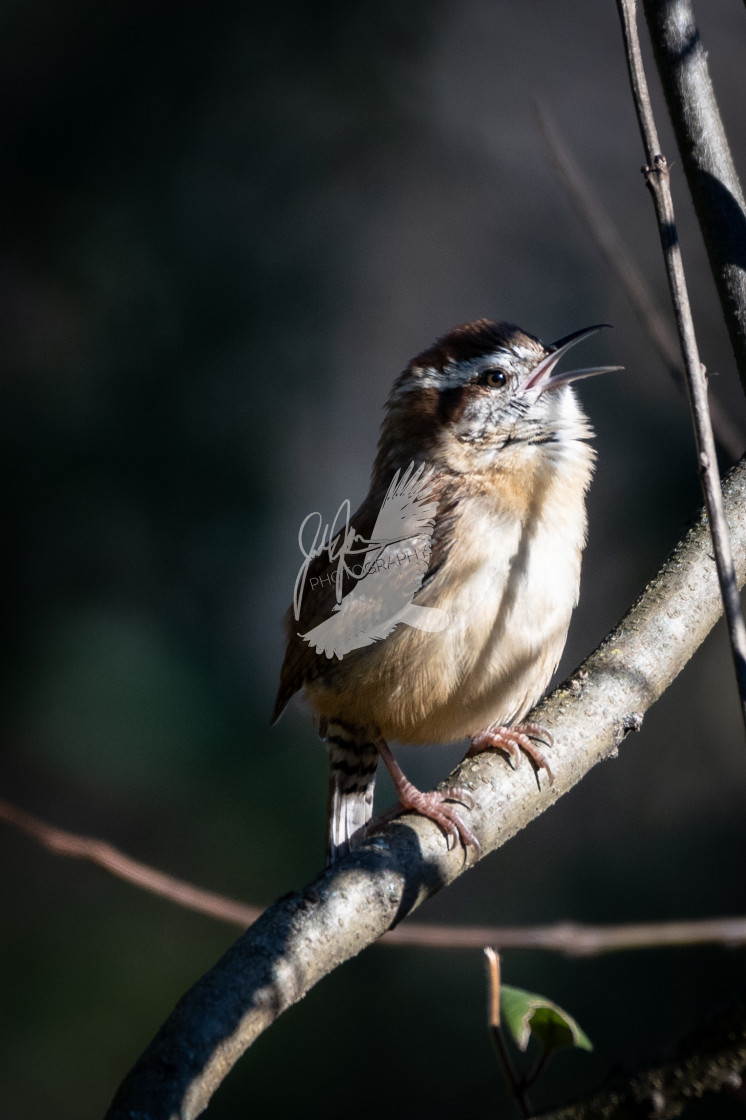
<point x="225" y="228"/>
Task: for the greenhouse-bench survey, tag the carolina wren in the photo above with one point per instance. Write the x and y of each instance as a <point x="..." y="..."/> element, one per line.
<point x="486" y="441"/>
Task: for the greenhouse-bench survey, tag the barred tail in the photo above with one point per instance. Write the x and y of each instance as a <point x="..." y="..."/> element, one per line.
<point x="353" y="759"/>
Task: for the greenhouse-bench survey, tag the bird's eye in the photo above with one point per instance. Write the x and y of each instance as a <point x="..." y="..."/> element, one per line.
<point x="494" y="378"/>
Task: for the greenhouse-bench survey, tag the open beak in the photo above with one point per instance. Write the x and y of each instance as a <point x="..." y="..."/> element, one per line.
<point x="544" y="377"/>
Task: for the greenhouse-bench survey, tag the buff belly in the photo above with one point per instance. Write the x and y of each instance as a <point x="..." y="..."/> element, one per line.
<point x="489" y="665"/>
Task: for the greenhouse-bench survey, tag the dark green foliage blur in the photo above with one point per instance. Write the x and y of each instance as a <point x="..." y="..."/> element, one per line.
<point x="225" y="229"/>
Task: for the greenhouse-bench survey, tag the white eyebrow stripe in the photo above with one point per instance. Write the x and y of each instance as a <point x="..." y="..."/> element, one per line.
<point x="452" y="375"/>
<point x="456" y="373"/>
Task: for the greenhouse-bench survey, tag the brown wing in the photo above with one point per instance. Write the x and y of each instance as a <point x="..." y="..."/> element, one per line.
<point x="302" y="663"/>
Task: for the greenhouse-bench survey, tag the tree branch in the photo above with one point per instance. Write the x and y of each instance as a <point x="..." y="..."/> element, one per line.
<point x="574" y="939"/>
<point x="621" y="263"/>
<point x="105" y="855"/>
<point x="307" y="934"/>
<point x="708" y="163"/>
<point x="657" y="179"/>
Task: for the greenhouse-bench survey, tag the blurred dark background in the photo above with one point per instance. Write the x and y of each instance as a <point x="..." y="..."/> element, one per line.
<point x="225" y="229"/>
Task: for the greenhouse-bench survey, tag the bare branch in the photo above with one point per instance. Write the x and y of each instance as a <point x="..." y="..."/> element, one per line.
<point x="657" y="179"/>
<point x="124" y="867"/>
<point x="305" y="935"/>
<point x="708" y="163"/>
<point x="620" y="261"/>
<point x="572" y="938"/>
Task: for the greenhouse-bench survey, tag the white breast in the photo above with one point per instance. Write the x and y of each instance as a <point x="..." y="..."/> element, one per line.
<point x="509" y="586"/>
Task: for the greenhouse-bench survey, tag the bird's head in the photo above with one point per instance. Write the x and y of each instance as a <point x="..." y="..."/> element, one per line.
<point x="483" y="391"/>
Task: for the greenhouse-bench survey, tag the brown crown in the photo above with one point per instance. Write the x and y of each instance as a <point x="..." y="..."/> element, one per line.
<point x="471" y="340"/>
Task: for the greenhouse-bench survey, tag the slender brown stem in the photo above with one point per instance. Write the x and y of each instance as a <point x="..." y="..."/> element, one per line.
<point x="656" y="174"/>
<point x="515" y="1084"/>
<point x="493" y="980"/>
<point x="75" y="846"/>
<point x="609" y="242"/>
<point x="571" y="938"/>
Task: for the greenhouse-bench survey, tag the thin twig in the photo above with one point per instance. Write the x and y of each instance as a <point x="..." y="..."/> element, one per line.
<point x="657" y="179"/>
<point x="574" y="939"/>
<point x="614" y="250"/>
<point x="131" y="870"/>
<point x="515" y="1085"/>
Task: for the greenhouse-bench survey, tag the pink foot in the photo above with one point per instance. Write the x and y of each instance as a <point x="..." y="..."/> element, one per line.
<point x="513" y="740"/>
<point x="434" y="806"/>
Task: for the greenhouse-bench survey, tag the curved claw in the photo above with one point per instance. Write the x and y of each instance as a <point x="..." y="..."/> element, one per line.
<point x="536" y="731"/>
<point x="435" y="807"/>
<point x="461" y="795"/>
<point x="513" y="741"/>
<point x="512" y="749"/>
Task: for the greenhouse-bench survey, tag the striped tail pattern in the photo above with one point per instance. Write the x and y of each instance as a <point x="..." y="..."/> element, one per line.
<point x="353" y="758"/>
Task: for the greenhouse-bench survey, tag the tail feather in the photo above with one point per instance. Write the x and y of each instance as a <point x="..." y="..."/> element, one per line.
<point x="353" y="758"/>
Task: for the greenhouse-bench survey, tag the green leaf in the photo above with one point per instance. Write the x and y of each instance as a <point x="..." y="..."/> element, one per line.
<point x="526" y="1014"/>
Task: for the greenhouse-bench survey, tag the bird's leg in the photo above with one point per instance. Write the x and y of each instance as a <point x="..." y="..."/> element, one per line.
<point x="432" y="805"/>
<point x="513" y="740"/>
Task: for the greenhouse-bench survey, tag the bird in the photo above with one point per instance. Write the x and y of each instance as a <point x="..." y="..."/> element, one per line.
<point x="439" y="610"/>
